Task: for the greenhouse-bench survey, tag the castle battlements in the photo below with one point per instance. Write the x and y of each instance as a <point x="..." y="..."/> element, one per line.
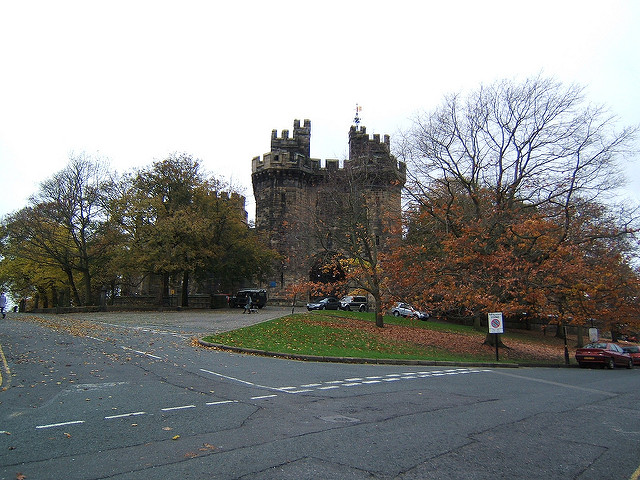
<point x="293" y="153"/>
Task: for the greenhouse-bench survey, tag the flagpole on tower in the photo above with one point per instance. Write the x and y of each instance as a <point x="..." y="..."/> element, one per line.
<point x="356" y="120"/>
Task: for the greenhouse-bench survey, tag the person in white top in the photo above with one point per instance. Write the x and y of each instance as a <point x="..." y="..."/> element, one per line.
<point x="3" y="304"/>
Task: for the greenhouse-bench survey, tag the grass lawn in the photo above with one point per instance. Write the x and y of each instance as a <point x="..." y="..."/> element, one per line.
<point x="354" y="334"/>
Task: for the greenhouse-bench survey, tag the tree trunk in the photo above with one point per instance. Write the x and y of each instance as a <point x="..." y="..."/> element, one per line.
<point x="560" y="330"/>
<point x="476" y="323"/>
<point x="580" y="342"/>
<point x="490" y="339"/>
<point x="87" y="287"/>
<point x="614" y="335"/>
<point x="379" y="314"/>
<point x="74" y="289"/>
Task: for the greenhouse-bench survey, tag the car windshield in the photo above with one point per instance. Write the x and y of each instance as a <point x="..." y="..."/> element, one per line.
<point x="596" y="345"/>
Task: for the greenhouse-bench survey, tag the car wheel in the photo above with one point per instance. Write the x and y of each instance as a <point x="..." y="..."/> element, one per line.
<point x="396" y="313"/>
<point x="323" y="308"/>
<point x="611" y="364"/>
<point x="348" y="309"/>
<point x="630" y="364"/>
<point x="362" y="309"/>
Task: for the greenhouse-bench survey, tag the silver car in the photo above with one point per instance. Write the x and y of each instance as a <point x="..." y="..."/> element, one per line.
<point x="401" y="309"/>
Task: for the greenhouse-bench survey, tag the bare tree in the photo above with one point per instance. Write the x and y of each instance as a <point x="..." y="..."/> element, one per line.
<point x="529" y="144"/>
<point x="354" y="221"/>
<point x="508" y="150"/>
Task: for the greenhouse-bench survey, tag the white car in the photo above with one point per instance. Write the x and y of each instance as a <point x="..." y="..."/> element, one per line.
<point x="401" y="309"/>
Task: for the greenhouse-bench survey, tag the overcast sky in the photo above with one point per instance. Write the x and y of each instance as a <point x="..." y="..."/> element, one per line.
<point x="133" y="81"/>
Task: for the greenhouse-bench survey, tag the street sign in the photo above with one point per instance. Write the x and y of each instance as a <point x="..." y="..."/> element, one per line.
<point x="495" y="323"/>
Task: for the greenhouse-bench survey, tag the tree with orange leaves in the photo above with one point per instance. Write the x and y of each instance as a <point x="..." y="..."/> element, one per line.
<point x="507" y="209"/>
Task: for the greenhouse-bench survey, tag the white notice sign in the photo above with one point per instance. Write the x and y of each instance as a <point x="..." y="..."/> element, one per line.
<point x="495" y="323"/>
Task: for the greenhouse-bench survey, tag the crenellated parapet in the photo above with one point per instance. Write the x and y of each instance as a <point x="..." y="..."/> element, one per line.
<point x="293" y="153"/>
<point x="299" y="143"/>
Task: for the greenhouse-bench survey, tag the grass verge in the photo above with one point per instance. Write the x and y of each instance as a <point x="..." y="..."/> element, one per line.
<point x="354" y="335"/>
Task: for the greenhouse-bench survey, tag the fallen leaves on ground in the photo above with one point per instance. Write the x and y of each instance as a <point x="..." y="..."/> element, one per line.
<point x="454" y="342"/>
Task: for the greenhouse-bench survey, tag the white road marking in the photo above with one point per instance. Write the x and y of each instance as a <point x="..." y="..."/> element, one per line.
<point x="241" y="381"/>
<point x="141" y="353"/>
<point x="124" y="415"/>
<point x="328" y="385"/>
<point x="63" y="424"/>
<point x="183" y="407"/>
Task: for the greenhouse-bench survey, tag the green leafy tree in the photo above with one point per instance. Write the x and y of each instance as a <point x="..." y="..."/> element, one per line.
<point x="62" y="222"/>
<point x="176" y="222"/>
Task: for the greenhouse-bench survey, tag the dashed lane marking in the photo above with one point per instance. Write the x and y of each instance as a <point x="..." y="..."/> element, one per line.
<point x="372" y="380"/>
<point x="182" y="407"/>
<point x="305" y="388"/>
<point x="222" y="402"/>
<point x="146" y="354"/>
<point x="125" y="415"/>
<point x="62" y="424"/>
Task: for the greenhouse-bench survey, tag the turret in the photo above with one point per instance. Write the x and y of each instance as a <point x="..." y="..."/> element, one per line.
<point x="300" y="143"/>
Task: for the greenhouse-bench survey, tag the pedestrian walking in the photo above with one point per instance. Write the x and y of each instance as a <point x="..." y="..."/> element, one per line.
<point x="3" y="304"/>
<point x="247" y="307"/>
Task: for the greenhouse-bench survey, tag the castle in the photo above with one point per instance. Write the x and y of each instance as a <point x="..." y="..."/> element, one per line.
<point x="295" y="195"/>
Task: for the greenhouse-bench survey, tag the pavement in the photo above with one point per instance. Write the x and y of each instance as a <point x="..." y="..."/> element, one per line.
<point x="186" y="322"/>
<point x="201" y="323"/>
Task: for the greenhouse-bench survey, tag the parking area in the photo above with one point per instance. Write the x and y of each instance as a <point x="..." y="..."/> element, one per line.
<point x="185" y="322"/>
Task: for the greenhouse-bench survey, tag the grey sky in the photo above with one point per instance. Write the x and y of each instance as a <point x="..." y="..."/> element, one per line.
<point x="133" y="81"/>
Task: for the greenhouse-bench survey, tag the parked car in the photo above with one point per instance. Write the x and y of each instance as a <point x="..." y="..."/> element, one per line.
<point x="258" y="298"/>
<point x="401" y="309"/>
<point x="328" y="303"/>
<point x="354" y="302"/>
<point x="607" y="354"/>
<point x="634" y="353"/>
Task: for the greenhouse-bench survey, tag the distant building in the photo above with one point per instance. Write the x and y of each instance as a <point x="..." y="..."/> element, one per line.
<point x="292" y="190"/>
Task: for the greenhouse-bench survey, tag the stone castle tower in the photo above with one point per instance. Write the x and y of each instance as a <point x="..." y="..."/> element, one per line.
<point x="292" y="191"/>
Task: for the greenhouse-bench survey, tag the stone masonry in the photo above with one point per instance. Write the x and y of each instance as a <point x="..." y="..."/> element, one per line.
<point x="291" y="189"/>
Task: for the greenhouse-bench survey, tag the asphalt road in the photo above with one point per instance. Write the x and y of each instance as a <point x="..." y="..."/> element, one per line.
<point x="124" y="396"/>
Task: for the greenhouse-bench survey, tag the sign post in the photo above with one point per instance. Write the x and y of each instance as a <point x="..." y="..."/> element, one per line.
<point x="496" y="326"/>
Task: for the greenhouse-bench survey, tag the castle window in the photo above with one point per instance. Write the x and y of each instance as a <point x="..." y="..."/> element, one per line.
<point x="276" y="158"/>
<point x="377" y="240"/>
<point x="283" y="201"/>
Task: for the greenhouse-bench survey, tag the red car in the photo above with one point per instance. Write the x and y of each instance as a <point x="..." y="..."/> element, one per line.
<point x="603" y="353"/>
<point x="634" y="352"/>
